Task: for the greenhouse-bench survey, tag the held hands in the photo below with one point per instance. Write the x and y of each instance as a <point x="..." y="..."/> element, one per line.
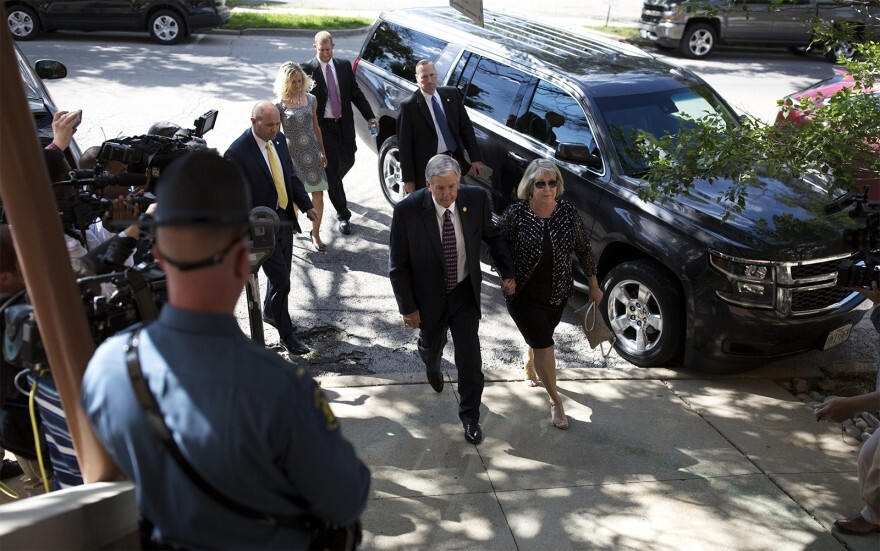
<point x="412" y="320"/>
<point x="508" y="286"/>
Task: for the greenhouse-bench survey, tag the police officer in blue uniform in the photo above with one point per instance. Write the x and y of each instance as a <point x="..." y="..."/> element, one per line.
<point x="254" y="427"/>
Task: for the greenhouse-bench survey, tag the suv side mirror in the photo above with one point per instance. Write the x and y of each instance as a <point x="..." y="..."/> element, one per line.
<point x="578" y="153"/>
<point x="49" y="69"/>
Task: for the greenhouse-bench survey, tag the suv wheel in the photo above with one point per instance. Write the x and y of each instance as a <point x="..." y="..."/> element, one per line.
<point x="840" y="50"/>
<point x="645" y="313"/>
<point x="167" y="27"/>
<point x="23" y="23"/>
<point x="698" y="40"/>
<point x="389" y="171"/>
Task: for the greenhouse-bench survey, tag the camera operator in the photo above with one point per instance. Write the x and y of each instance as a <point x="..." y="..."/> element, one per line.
<point x="839" y="409"/>
<point x="15" y="431"/>
<point x="239" y="416"/>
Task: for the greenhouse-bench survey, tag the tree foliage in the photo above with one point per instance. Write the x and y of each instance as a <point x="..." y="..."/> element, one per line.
<point x="834" y="140"/>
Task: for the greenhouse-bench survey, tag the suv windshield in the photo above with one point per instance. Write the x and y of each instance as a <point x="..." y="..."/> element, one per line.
<point x="657" y="113"/>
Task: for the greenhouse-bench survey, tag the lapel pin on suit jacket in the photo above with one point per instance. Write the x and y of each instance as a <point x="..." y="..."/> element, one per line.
<point x="463" y="209"/>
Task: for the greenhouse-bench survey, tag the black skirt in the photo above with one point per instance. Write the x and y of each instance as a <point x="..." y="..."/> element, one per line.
<point x="536" y="321"/>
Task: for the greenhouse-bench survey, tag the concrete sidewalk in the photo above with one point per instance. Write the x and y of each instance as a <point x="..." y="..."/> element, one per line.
<point x="649" y="462"/>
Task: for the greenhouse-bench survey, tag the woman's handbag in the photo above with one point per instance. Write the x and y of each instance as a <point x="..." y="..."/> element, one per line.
<point x="595" y="328"/>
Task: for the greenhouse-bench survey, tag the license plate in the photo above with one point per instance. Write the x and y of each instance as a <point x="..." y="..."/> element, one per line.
<point x="838" y="336"/>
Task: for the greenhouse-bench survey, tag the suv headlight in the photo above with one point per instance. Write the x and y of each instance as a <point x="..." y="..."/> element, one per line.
<point x="671" y="11"/>
<point x="751" y="283"/>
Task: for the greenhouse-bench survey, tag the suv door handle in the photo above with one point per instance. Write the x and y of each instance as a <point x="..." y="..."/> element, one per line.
<point x="519" y="159"/>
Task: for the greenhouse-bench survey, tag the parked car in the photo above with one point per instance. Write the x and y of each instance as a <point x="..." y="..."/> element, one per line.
<point x="167" y="21"/>
<point x="819" y="93"/>
<point x="666" y="24"/>
<point x="40" y="101"/>
<point x="682" y="286"/>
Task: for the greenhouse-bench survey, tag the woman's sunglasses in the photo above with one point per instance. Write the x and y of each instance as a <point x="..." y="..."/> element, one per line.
<point x="540" y="185"/>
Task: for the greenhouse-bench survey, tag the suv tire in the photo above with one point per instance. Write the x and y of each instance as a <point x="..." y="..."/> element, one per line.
<point x="389" y="171"/>
<point x="644" y="311"/>
<point x="23" y="23"/>
<point x="698" y="41"/>
<point x="167" y="27"/>
<point x="840" y="50"/>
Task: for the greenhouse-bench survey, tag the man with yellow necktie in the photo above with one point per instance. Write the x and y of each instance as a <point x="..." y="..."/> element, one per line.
<point x="261" y="153"/>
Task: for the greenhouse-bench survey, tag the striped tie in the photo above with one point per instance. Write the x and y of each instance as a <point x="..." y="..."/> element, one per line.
<point x="450" y="254"/>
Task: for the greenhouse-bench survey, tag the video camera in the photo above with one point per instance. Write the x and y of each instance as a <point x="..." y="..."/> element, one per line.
<point x="144" y="158"/>
<point x="864" y="241"/>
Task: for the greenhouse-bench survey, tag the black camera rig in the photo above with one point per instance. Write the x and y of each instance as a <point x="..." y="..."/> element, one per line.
<point x="864" y="268"/>
<point x="84" y="197"/>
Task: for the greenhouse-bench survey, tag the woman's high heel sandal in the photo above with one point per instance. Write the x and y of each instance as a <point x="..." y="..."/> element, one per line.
<point x="558" y="418"/>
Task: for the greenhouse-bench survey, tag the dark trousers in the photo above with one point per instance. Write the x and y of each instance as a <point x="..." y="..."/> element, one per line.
<point x="462" y="317"/>
<point x="277" y="270"/>
<point x="340" y="159"/>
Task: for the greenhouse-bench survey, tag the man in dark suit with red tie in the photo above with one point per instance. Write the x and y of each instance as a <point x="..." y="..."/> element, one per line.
<point x="336" y="90"/>
<point x="433" y="120"/>
<point x="262" y="155"/>
<point x="434" y="266"/>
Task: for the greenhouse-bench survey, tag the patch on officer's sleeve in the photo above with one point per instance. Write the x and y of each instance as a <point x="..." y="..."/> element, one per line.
<point x="323" y="406"/>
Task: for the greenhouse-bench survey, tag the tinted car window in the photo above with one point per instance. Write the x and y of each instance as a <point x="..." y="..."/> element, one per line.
<point x="657" y="113"/>
<point x="397" y="49"/>
<point x="494" y="89"/>
<point x="555" y="117"/>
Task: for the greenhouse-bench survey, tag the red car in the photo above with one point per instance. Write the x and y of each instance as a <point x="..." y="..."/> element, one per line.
<point x="819" y="93"/>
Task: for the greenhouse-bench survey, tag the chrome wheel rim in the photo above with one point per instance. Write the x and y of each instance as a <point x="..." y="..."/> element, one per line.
<point x="701" y="42"/>
<point x="392" y="183"/>
<point x="635" y="317"/>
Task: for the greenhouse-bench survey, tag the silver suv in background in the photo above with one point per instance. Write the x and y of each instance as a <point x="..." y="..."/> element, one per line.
<point x="667" y="24"/>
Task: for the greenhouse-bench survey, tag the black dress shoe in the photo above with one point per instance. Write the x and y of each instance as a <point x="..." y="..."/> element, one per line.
<point x="344" y="227"/>
<point x="294" y="345"/>
<point x="473" y="433"/>
<point x="269" y="321"/>
<point x="436" y="380"/>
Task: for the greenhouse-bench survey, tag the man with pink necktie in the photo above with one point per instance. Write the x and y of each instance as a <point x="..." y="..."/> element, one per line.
<point x="336" y="89"/>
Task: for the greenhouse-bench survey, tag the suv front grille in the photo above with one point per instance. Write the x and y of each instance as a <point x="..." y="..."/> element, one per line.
<point x="652" y="14"/>
<point x="808" y="287"/>
<point x="808" y="301"/>
<point x="817" y="269"/>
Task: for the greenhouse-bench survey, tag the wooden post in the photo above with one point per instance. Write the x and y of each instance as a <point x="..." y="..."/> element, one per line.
<point x="42" y="256"/>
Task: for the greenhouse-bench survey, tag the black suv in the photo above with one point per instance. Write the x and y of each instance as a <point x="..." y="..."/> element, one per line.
<point x="167" y="21"/>
<point x="681" y="284"/>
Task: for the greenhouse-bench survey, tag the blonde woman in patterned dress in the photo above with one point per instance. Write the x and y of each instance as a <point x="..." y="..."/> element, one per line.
<point x="542" y="232"/>
<point x="299" y="121"/>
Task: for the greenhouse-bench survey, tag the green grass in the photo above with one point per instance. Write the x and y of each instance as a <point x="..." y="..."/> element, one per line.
<point x="631" y="33"/>
<point x="239" y="20"/>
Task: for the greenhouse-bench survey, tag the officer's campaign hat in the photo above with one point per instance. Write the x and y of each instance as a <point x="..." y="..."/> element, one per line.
<point x="202" y="188"/>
